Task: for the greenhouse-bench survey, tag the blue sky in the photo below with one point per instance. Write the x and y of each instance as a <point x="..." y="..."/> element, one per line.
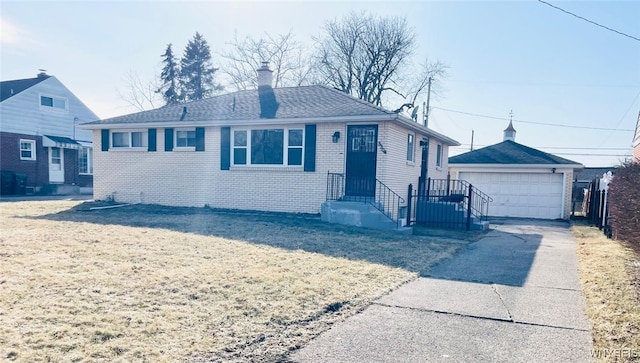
<point x="546" y="66"/>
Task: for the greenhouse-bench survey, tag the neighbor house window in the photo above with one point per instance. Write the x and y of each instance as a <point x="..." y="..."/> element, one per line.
<point x="129" y="139"/>
<point x="27" y="150"/>
<point x="268" y="147"/>
<point x="54" y="102"/>
<point x="186" y="138"/>
<point x="85" y="160"/>
<point x="410" y="147"/>
<point x="439" y="155"/>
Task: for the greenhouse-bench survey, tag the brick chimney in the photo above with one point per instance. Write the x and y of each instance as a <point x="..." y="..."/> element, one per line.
<point x="265" y="75"/>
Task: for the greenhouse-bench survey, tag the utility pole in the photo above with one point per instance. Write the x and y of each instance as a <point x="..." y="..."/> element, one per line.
<point x="426" y="109"/>
<point x="472" y="140"/>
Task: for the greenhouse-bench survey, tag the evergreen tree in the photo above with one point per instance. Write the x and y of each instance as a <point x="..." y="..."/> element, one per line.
<point x="196" y="70"/>
<point x="170" y="78"/>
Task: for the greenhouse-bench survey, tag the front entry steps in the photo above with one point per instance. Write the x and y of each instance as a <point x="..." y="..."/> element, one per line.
<point x="361" y="215"/>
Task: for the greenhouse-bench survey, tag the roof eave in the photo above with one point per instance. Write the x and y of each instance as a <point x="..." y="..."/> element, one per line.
<point x="413" y="125"/>
<point x="513" y="166"/>
<point x="241" y="122"/>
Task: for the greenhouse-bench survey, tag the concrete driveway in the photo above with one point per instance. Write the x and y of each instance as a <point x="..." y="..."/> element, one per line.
<point x="513" y="296"/>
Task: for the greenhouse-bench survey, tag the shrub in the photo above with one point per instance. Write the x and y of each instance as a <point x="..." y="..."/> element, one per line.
<point x="624" y="203"/>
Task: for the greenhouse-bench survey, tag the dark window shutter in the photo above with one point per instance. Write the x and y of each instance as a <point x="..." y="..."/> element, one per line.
<point x="199" y="138"/>
<point x="105" y="140"/>
<point x="168" y="139"/>
<point x="310" y="148"/>
<point x="152" y="140"/>
<point x="225" y="148"/>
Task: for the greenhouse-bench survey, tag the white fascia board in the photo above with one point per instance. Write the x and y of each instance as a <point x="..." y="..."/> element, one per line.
<point x="414" y="126"/>
<point x="252" y="122"/>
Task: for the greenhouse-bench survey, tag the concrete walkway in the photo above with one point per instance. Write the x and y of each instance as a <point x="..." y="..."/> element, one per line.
<point x="513" y="296"/>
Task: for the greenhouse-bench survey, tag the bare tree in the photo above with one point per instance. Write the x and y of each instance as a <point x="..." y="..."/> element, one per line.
<point x="371" y="58"/>
<point x="284" y="54"/>
<point x="139" y="93"/>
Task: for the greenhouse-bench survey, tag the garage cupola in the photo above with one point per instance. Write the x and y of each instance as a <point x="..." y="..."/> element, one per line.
<point x="510" y="132"/>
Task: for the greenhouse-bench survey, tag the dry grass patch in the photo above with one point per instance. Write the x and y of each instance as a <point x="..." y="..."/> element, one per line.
<point x="610" y="273"/>
<point x="146" y="283"/>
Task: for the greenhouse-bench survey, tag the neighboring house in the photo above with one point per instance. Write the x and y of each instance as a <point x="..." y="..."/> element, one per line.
<point x="582" y="178"/>
<point x="636" y="141"/>
<point x="271" y="149"/>
<point x="523" y="182"/>
<point x="39" y="139"/>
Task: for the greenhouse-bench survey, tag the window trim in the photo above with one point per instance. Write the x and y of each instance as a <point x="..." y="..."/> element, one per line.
<point x="285" y="146"/>
<point x="439" y="152"/>
<point x="89" y="160"/>
<point x="33" y="149"/>
<point x="145" y="139"/>
<point x="53" y="107"/>
<point x="411" y="148"/>
<point x="188" y="147"/>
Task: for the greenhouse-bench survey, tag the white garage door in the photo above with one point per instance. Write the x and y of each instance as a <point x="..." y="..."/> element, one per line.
<point x="524" y="195"/>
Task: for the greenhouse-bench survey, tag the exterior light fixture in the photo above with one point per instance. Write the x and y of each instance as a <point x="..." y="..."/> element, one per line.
<point x="336" y="136"/>
<point x="553" y="170"/>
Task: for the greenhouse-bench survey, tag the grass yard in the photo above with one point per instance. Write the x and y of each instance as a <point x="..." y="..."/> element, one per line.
<point x="154" y="284"/>
<point x="610" y="274"/>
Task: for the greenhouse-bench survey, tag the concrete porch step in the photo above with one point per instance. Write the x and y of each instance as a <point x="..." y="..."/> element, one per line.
<point x="359" y="214"/>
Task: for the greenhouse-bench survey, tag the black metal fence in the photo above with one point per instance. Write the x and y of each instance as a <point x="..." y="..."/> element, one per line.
<point x="384" y="199"/>
<point x="597" y="207"/>
<point x="446" y="203"/>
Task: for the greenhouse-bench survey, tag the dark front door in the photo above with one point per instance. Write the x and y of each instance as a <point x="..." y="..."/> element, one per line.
<point x="362" y="147"/>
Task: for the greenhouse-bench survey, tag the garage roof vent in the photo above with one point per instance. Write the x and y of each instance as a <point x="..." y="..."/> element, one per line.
<point x="510" y="132"/>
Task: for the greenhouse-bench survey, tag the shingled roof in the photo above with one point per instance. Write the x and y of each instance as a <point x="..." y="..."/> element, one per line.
<point x="287" y="104"/>
<point x="290" y="102"/>
<point x="508" y="152"/>
<point x="12" y="88"/>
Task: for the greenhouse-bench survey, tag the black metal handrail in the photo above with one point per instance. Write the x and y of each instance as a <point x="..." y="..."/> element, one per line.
<point x="384" y="198"/>
<point x="456" y="190"/>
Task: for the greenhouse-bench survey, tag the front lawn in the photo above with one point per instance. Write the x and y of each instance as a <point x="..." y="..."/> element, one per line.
<point x="147" y="283"/>
<point x="610" y="274"/>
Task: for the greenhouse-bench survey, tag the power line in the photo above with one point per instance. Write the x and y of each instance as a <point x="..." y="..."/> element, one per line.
<point x="532" y="122"/>
<point x="590" y="21"/>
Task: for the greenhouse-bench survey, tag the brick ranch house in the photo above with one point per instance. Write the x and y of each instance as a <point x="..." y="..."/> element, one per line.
<point x="270" y="149"/>
<point x="41" y="148"/>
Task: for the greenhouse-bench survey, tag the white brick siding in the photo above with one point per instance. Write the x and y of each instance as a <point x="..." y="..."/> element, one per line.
<point x="190" y="178"/>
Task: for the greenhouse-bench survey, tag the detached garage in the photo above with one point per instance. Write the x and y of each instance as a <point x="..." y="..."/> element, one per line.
<point x="523" y="182"/>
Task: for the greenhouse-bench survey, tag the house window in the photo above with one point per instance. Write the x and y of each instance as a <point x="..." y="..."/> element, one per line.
<point x="294" y="154"/>
<point x="439" y="155"/>
<point x="53" y="102"/>
<point x="268" y="147"/>
<point x="85" y="160"/>
<point x="139" y="139"/>
<point x="186" y="138"/>
<point x="410" y="147"/>
<point x="240" y="147"/>
<point x="27" y="150"/>
<point x="129" y="139"/>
